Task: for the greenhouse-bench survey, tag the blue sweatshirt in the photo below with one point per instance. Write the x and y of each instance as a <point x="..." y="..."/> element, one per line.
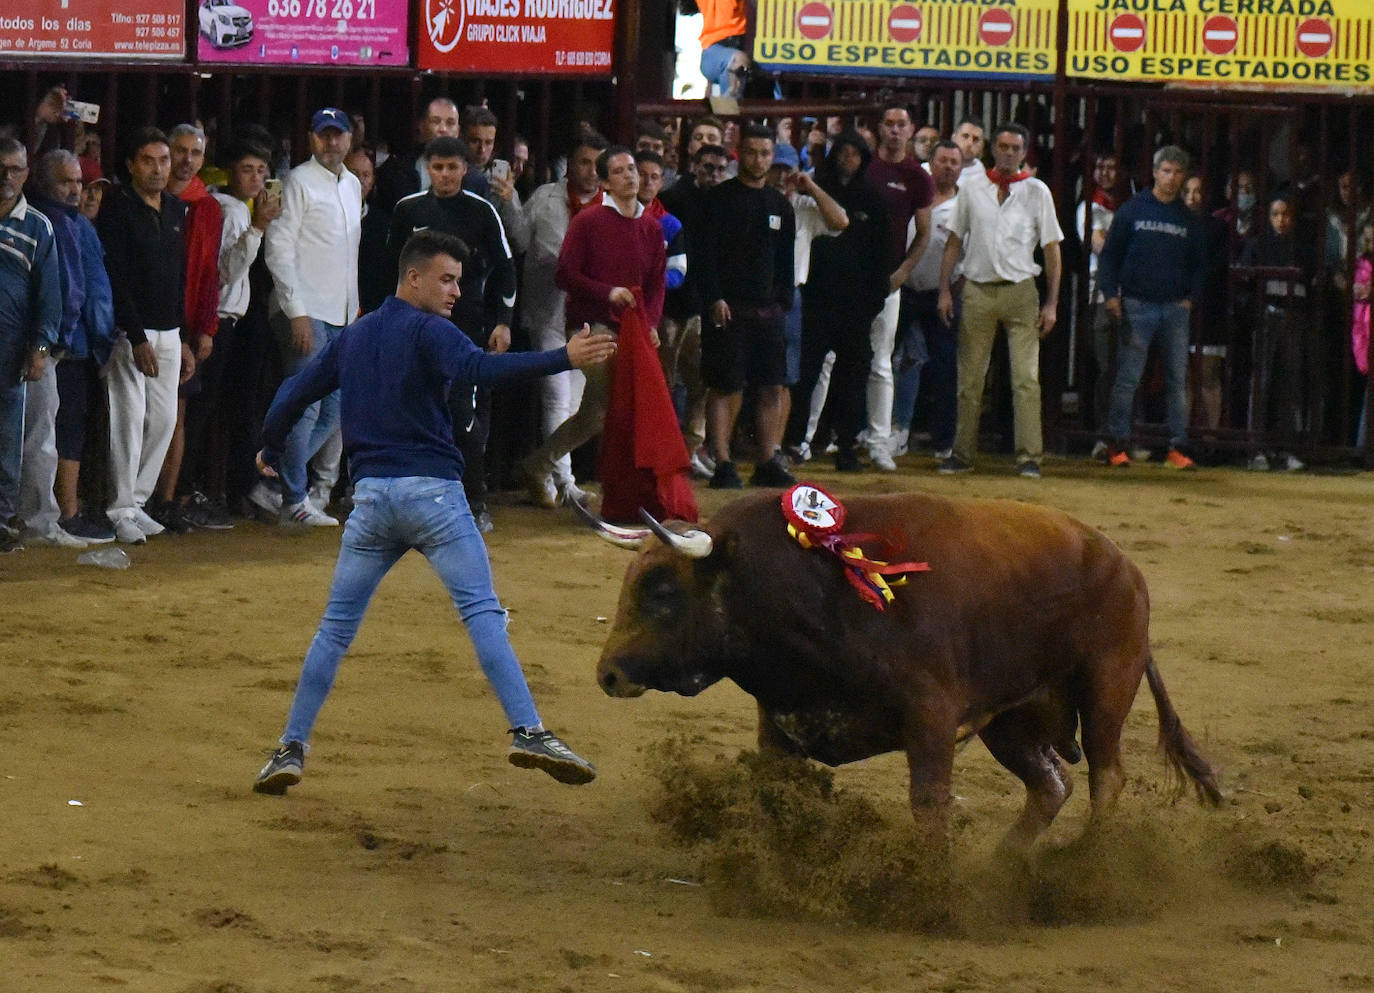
<point x="393" y="369"/>
<point x="1155" y="251"/>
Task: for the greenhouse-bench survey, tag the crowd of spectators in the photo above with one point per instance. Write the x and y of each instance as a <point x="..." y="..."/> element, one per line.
<point x="812" y="275"/>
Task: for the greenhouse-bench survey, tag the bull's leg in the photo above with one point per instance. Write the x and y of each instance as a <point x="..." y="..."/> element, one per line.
<point x="930" y="760"/>
<point x="1106" y="701"/>
<point x="1024" y="741"/>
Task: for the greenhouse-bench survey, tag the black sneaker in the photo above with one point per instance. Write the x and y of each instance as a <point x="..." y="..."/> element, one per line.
<point x="283" y="769"/>
<point x="954" y="464"/>
<point x="202" y="512"/>
<point x="169" y="515"/>
<point x="543" y="750"/>
<point x="95" y="531"/>
<point x="772" y="473"/>
<point x="725" y="477"/>
<point x="847" y="460"/>
<point x="1028" y="469"/>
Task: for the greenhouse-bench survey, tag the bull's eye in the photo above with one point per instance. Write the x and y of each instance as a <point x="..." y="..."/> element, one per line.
<point x="660" y="595"/>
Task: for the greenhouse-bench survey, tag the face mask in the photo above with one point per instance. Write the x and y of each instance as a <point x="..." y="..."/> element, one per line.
<point x="1244" y="201"/>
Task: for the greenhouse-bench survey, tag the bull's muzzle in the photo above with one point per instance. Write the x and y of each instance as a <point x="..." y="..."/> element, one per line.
<point x="614" y="682"/>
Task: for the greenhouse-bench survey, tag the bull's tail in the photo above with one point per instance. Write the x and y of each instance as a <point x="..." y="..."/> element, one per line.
<point x="1180" y="751"/>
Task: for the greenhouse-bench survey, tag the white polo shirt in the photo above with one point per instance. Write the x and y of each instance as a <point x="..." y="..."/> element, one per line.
<point x="810" y="226"/>
<point x="1000" y="239"/>
<point x="925" y="274"/>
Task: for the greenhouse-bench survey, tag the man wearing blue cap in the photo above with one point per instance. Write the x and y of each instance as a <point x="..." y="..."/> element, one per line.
<point x="312" y="252"/>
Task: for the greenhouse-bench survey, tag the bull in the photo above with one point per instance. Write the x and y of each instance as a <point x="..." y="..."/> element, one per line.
<point x="1029" y="626"/>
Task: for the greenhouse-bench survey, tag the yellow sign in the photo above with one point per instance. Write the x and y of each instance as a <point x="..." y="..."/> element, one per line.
<point x="996" y="38"/>
<point x="1289" y="43"/>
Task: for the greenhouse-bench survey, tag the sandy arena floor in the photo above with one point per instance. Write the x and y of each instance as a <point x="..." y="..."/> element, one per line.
<point x="136" y="706"/>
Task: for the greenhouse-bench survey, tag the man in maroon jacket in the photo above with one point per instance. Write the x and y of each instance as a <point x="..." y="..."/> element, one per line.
<point x="609" y="251"/>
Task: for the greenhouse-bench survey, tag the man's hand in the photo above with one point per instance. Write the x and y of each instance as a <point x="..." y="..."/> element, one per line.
<point x="1112" y="306"/>
<point x="264" y="468"/>
<point x="806" y="182"/>
<point x="205" y="344"/>
<point x="145" y="359"/>
<point x="503" y="187"/>
<point x="302" y="335"/>
<point x="587" y="349"/>
<point x="621" y="297"/>
<point x="36" y="366"/>
<point x="188" y="364"/>
<point x="1049" y="313"/>
<point x="499" y="340"/>
<point x="720" y="313"/>
<point x="266" y="209"/>
<point x="945" y="307"/>
<point x="50" y="107"/>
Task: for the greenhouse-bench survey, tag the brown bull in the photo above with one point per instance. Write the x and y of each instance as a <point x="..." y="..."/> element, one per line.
<point x="1029" y="624"/>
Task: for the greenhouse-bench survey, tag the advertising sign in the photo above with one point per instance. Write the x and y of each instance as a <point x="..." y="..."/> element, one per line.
<point x="1287" y="43"/>
<point x="303" y="32"/>
<point x="57" y="29"/>
<point x="1001" y="39"/>
<point x="530" y="37"/>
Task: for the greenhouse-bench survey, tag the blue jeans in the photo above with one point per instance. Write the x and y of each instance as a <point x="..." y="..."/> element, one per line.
<point x="317" y="423"/>
<point x="715" y="66"/>
<point x="926" y="342"/>
<point x="792" y="335"/>
<point x="390" y="517"/>
<point x="1145" y="322"/>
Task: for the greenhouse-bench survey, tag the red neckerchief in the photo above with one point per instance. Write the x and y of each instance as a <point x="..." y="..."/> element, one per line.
<point x="655" y="209"/>
<point x="1004" y="182"/>
<point x="1104" y="199"/>
<point x="576" y="206"/>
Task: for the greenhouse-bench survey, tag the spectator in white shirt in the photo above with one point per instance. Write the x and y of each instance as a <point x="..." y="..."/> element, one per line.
<point x="312" y="252"/>
<point x="999" y="220"/>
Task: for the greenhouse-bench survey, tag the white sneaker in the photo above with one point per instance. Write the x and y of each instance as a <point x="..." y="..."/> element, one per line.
<point x="702" y="465"/>
<point x="899" y="439"/>
<point x="882" y="461"/>
<point x="1259" y="463"/>
<point x="1100" y="451"/>
<point x="54" y="536"/>
<point x="304" y="514"/>
<point x="264" y="497"/>
<point x="1289" y="463"/>
<point x="570" y="492"/>
<point x="146" y="524"/>
<point x="944" y="453"/>
<point x="127" y="532"/>
<point x="319" y="496"/>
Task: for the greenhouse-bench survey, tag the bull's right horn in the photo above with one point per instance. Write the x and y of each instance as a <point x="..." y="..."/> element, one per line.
<point x="631" y="538"/>
<point x="695" y="544"/>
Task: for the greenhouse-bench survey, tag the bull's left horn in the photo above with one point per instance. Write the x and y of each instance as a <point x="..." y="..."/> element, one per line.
<point x="695" y="544"/>
<point x="631" y="538"/>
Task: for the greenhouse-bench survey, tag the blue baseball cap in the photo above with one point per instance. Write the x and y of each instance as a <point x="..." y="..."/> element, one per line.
<point x="331" y="117"/>
<point x="785" y="155"/>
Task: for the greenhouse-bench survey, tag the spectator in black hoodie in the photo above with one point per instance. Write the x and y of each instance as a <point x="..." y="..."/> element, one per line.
<point x="844" y="290"/>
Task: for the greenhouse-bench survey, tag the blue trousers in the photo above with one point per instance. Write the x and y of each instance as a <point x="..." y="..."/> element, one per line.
<point x="316" y="424"/>
<point x="390" y="517"/>
<point x="1146" y="321"/>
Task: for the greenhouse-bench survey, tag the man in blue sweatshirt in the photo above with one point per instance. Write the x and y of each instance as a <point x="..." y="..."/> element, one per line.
<point x="394" y="369"/>
<point x="1150" y="271"/>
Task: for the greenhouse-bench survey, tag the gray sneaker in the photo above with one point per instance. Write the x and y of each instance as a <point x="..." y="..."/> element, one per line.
<point x="544" y="750"/>
<point x="283" y="769"/>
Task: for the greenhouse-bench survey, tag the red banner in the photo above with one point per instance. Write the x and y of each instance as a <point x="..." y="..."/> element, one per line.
<point x="83" y="29"/>
<point x="528" y="37"/>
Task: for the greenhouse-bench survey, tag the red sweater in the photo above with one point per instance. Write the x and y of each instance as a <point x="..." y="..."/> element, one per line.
<point x="604" y="249"/>
<point x="204" y="222"/>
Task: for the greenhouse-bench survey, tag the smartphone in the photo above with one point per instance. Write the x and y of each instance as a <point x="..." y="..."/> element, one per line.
<point x="272" y="188"/>
<point x="500" y="169"/>
<point x="78" y="110"/>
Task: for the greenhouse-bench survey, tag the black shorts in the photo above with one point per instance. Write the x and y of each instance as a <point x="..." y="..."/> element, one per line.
<point x="73" y="378"/>
<point x="749" y="351"/>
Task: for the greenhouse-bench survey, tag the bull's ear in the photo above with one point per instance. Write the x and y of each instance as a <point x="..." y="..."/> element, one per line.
<point x="724" y="551"/>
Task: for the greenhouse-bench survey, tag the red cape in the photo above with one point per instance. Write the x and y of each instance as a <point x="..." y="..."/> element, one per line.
<point x="643" y="457"/>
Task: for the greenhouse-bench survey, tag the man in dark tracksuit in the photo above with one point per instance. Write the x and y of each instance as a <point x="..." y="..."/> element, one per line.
<point x="483" y="312"/>
<point x="1150" y="271"/>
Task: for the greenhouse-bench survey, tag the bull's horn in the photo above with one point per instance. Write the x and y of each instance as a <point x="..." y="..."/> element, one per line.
<point x="631" y="538"/>
<point x="695" y="544"/>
